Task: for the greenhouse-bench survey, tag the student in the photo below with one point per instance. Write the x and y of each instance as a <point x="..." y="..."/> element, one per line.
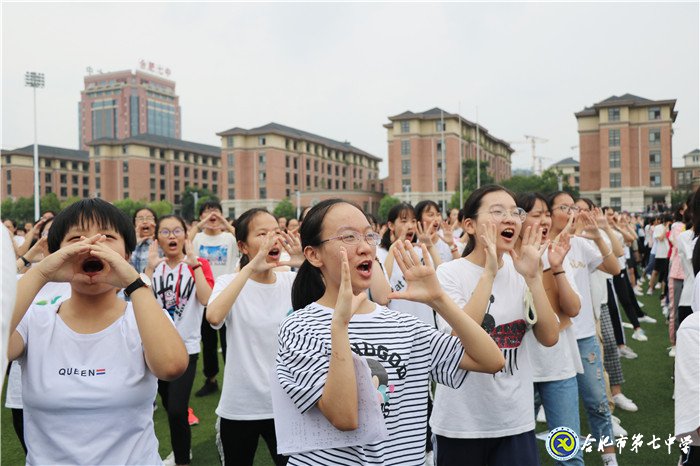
<point x="554" y="368"/>
<point x="489" y="419"/>
<point x="253" y="303"/>
<point x="428" y="215"/>
<point x="182" y="285"/>
<point x="95" y="415"/>
<point x="584" y="258"/>
<point x="334" y="319"/>
<point x="213" y="239"/>
<point x="145" y="225"/>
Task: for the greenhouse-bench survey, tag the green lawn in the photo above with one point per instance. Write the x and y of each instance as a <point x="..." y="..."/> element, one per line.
<point x="648" y="383"/>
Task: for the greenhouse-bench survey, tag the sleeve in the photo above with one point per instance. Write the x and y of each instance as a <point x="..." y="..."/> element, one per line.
<point x="453" y="289"/>
<point x="592" y="255"/>
<point x="23" y="326"/>
<point x="695" y="304"/>
<point x="219" y="285"/>
<point x="687" y="371"/>
<point x="206" y="268"/>
<point x="446" y="352"/>
<point x="302" y="363"/>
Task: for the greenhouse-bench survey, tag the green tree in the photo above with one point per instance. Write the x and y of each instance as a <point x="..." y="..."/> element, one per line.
<point x="547" y="182"/>
<point x="7" y="208"/>
<point x="68" y="201"/>
<point x="23" y="210"/>
<point x="50" y="202"/>
<point x="161" y="207"/>
<point x="385" y="206"/>
<point x="678" y="197"/>
<point x="286" y="209"/>
<point x="469" y="173"/>
<point x="129" y="206"/>
<point x="189" y="210"/>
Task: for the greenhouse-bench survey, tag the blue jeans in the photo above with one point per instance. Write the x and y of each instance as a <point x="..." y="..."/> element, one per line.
<point x="591" y="387"/>
<point x="560" y="400"/>
<point x="650" y="265"/>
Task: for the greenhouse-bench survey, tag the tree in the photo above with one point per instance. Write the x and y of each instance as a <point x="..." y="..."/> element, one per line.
<point x="129" y="206"/>
<point x="7" y="208"/>
<point x="385" y="206"/>
<point x="161" y="207"/>
<point x="286" y="209"/>
<point x="23" y="210"/>
<point x="50" y="202"/>
<point x="469" y="173"/>
<point x="547" y="182"/>
<point x="70" y="200"/>
<point x="189" y="210"/>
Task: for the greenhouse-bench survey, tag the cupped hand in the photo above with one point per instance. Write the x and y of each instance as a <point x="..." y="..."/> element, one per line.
<point x="154" y="259"/>
<point x="558" y="250"/>
<point x="423" y="285"/>
<point x="117" y="271"/>
<point x="527" y="262"/>
<point x="291" y="242"/>
<point x="65" y="264"/>
<point x="347" y="303"/>
<point x="259" y="263"/>
<point x="489" y="237"/>
<point x="589" y="227"/>
<point x="190" y="256"/>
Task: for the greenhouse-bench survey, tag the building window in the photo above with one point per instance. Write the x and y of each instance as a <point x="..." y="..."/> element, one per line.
<point x="86" y="193"/>
<point x="74" y="179"/>
<point x="308" y="181"/>
<point x="195" y="173"/>
<point x="125" y="166"/>
<point x="176" y="187"/>
<point x="315" y="165"/>
<point x="614" y="159"/>
<point x="405" y="167"/>
<point x="286" y="178"/>
<point x="655" y="180"/>
<point x="176" y="170"/>
<point x="162" y="185"/>
<point x="162" y="169"/>
<point x="187" y="172"/>
<point x="231" y="178"/>
<point x="614" y="114"/>
<point x="655" y="136"/>
<point x="153" y="184"/>
<point x="439" y="126"/>
<point x="231" y="193"/>
<point x="205" y="174"/>
<point x="655" y="113"/>
<point x="615" y="180"/>
<point x="98" y="183"/>
<point x="126" y="182"/>
<point x="614" y="138"/>
<point x="47" y="177"/>
<point x="655" y="159"/>
<point x="406" y="147"/>
<point x="176" y="199"/>
<point x="263" y="193"/>
<point x="152" y="168"/>
<point x="308" y="164"/>
<point x="261" y="140"/>
<point x="64" y="178"/>
<point x="261" y="159"/>
<point x="405" y="127"/>
<point x="616" y="203"/>
<point x="229" y="141"/>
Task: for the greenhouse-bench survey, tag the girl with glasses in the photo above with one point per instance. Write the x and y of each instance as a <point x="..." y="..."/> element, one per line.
<point x="489" y="419"/>
<point x="334" y="319"/>
<point x="252" y="303"/>
<point x="182" y="285"/>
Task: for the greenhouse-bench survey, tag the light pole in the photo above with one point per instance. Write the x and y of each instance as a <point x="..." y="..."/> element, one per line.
<point x="33" y="79"/>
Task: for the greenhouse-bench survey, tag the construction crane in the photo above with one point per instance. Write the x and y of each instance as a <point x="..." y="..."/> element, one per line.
<point x="533" y="143"/>
<point x="539" y="159"/>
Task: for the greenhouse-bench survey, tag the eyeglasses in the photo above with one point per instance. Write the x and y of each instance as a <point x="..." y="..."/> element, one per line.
<point x="354" y="238"/>
<point x="177" y="232"/>
<point x="146" y="218"/>
<point x="500" y="214"/>
<point x="567" y="208"/>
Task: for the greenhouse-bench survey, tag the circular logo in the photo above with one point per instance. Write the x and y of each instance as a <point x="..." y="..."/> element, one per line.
<point x="562" y="443"/>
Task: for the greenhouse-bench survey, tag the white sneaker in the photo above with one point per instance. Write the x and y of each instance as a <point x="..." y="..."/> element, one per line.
<point x="170" y="459"/>
<point x="647" y="319"/>
<point x="626" y="352"/>
<point x="542" y="435"/>
<point x="627" y="325"/>
<point x="622" y="402"/>
<point x="618" y="431"/>
<point x="615" y="419"/>
<point x="639" y="335"/>
<point x="638" y="292"/>
<point x="658" y="286"/>
<point x="429" y="459"/>
<point x="664" y="311"/>
<point x="672" y="352"/>
<point x="650" y="292"/>
<point x="540" y="415"/>
<point x="640" y="304"/>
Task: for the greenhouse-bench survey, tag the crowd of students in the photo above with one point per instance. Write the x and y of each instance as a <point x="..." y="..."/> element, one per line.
<point x="473" y="323"/>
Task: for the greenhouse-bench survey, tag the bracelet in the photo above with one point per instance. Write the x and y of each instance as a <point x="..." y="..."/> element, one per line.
<point x="559" y="273"/>
<point x="606" y="255"/>
<point x="26" y="262"/>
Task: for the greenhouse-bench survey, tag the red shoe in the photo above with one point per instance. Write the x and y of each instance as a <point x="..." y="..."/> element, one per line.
<point x="191" y="418"/>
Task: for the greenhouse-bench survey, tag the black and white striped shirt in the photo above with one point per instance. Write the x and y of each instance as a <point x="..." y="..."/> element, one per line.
<point x="403" y="354"/>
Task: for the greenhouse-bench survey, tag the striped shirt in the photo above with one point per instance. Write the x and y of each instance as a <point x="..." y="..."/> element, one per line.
<point x="403" y="353"/>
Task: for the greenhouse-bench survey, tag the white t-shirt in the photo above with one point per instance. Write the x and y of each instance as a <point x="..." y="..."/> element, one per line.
<point x="563" y="360"/>
<point x="9" y="290"/>
<point x="488" y="405"/>
<point x="444" y="251"/>
<point x="88" y="398"/>
<point x="422" y="311"/>
<point x="403" y="354"/>
<point x="583" y="259"/>
<point x="685" y="242"/>
<point x="662" y="246"/>
<point x="19" y="240"/>
<point x="53" y="293"/>
<point x="176" y="293"/>
<point x="251" y="335"/>
<point x="687" y="374"/>
<point x="220" y="250"/>
<point x="695" y="305"/>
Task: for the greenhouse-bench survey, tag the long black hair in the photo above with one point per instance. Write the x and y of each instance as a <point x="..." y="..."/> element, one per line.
<point x="242" y="230"/>
<point x="526" y="201"/>
<point x="394" y="213"/>
<point x="309" y="285"/>
<point x="694" y="206"/>
<point x="472" y="206"/>
<point x="422" y="206"/>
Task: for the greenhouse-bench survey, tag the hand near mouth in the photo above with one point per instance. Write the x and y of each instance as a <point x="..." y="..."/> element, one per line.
<point x="190" y="256"/>
<point x="489" y="237"/>
<point x="589" y="228"/>
<point x="116" y="270"/>
<point x="447" y="234"/>
<point x="154" y="259"/>
<point x="291" y="242"/>
<point x="527" y="263"/>
<point x="64" y="264"/>
<point x="423" y="285"/>
<point x="558" y="250"/>
<point x="259" y="263"/>
<point x="425" y="233"/>
<point x="347" y="303"/>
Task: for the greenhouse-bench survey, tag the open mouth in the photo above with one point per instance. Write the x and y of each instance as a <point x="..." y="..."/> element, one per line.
<point x="365" y="268"/>
<point x="409" y="236"/>
<point x="92" y="265"/>
<point x="544" y="232"/>
<point x="172" y="244"/>
<point x="508" y="233"/>
<point x="274" y="253"/>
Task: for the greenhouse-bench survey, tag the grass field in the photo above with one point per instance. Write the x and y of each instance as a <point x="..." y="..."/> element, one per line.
<point x="648" y="383"/>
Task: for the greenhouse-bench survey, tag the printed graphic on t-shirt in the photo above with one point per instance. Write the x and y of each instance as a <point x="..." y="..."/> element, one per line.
<point x="216" y="255"/>
<point x="44" y="302"/>
<point x="174" y="292"/>
<point x="380" y="376"/>
<point x="380" y="379"/>
<point x="508" y="337"/>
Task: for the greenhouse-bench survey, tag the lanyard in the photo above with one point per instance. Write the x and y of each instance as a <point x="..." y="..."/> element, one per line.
<point x="177" y="283"/>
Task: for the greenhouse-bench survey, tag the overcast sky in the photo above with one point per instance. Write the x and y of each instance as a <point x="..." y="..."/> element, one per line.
<point x="339" y="70"/>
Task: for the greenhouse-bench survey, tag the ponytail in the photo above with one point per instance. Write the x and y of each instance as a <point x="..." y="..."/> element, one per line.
<point x="308" y="286"/>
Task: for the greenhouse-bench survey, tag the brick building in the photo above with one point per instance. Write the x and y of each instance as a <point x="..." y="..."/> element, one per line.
<point x="569" y="168"/>
<point x="687" y="177"/>
<point x="626" y="151"/>
<point x="415" y="145"/>
<point x="122" y="104"/>
<point x="152" y="168"/>
<point x="264" y="165"/>
<point x="65" y="172"/>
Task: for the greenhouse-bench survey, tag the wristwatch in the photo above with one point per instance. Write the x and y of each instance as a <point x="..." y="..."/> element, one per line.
<point x="140" y="282"/>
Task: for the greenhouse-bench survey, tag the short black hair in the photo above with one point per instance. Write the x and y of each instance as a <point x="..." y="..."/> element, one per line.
<point x="83" y="212"/>
<point x="210" y="205"/>
<point x="153" y="212"/>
